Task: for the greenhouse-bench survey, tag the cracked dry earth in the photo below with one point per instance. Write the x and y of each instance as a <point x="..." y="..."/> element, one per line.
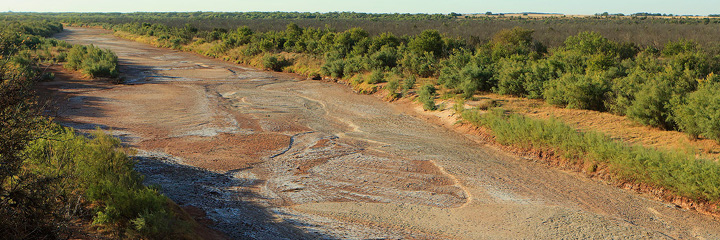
<point x="269" y="156"/>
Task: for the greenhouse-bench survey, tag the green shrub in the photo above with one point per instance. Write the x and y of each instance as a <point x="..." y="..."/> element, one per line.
<point x="466" y="73"/>
<point x="334" y="68"/>
<point x="475" y="77"/>
<point x="423" y="65"/>
<point x="92" y="61"/>
<point x="75" y="57"/>
<point x="651" y="105"/>
<point x="392" y="87"/>
<point x="275" y="63"/>
<point x="511" y="75"/>
<point x="623" y="91"/>
<point x="678" y="47"/>
<point x="428" y="41"/>
<point x="541" y="72"/>
<point x="700" y="114"/>
<point x="590" y="43"/>
<point x="449" y="77"/>
<point x="515" y="41"/>
<point x="577" y="91"/>
<point x="376" y="77"/>
<point x="386" y="57"/>
<point x="426" y="96"/>
<point x="251" y="50"/>
<point x="96" y="169"/>
<point x="354" y="65"/>
<point x="408" y="84"/>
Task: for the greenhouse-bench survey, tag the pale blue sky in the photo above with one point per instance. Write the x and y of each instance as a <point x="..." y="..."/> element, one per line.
<point x="678" y="7"/>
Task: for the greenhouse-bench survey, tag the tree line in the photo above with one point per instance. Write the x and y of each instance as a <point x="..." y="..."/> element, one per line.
<point x="667" y="87"/>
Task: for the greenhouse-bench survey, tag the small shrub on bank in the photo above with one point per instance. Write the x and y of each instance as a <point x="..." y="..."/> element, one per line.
<point x="275" y="63"/>
<point x="426" y="96"/>
<point x="376" y="77"/>
<point x="408" y="84"/>
<point x="392" y="87"/>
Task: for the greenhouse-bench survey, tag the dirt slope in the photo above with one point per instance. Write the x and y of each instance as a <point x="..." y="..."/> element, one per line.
<point x="269" y="156"/>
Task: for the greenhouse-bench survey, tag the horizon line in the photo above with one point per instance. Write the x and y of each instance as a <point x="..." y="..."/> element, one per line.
<point x="388" y="13"/>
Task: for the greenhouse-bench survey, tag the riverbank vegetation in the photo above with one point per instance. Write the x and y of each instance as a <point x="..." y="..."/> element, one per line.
<point x="659" y="72"/>
<point x="52" y="177"/>
<point x="682" y="173"/>
<point x="648" y="83"/>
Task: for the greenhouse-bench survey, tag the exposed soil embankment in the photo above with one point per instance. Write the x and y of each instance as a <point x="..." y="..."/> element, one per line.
<point x="268" y="156"/>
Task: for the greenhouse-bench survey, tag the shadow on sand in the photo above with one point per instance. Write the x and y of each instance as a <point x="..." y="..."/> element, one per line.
<point x="232" y="210"/>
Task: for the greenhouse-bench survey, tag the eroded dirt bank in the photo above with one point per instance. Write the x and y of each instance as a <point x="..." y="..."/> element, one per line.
<point x="269" y="156"/>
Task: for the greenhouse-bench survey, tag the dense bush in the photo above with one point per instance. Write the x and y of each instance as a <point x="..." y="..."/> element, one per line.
<point x="423" y="65"/>
<point x="651" y="104"/>
<point x="385" y="58"/>
<point x="512" y="74"/>
<point x="94" y="169"/>
<point x="577" y="91"/>
<point x="92" y="61"/>
<point x="428" y="41"/>
<point x="467" y="73"/>
<point x="516" y="41"/>
<point x="699" y="115"/>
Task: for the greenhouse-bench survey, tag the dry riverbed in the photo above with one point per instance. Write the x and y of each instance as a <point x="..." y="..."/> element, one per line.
<point x="269" y="156"/>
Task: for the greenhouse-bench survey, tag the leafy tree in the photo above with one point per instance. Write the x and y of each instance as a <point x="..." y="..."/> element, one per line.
<point x="428" y="41"/>
<point x="515" y="41"/>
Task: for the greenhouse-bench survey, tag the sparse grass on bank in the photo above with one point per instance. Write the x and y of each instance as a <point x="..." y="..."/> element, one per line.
<point x="680" y="172"/>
